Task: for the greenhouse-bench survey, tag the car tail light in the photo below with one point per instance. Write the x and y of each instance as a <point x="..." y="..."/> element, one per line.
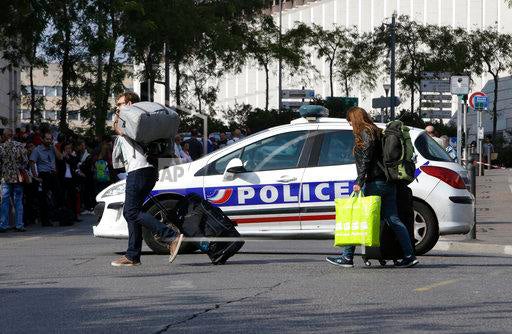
<point x="446" y="175"/>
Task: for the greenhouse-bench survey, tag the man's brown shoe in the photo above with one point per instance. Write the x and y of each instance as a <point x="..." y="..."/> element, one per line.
<point x="174" y="247"/>
<point x="123" y="261"/>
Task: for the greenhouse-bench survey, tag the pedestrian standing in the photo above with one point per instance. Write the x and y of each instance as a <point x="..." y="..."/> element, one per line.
<point x="141" y="179"/>
<point x="186" y="153"/>
<point x="14" y="160"/>
<point x="372" y="180"/>
<point x="195" y="145"/>
<point x="67" y="177"/>
<point x="44" y="168"/>
<point x="237" y="135"/>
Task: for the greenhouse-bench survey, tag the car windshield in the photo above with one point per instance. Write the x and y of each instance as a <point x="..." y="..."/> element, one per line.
<point x="430" y="149"/>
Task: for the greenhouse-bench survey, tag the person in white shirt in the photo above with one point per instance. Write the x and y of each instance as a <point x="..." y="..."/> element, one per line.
<point x="141" y="179"/>
<point x="237" y="134"/>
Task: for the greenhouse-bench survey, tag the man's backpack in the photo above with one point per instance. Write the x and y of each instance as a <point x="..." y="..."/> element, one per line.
<point x="398" y="153"/>
<point x="102" y="171"/>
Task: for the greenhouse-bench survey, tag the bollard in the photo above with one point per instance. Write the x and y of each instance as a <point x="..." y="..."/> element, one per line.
<point x="470" y="167"/>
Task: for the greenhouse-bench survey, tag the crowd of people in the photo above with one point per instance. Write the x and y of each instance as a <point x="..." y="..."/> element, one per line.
<point x="50" y="177"/>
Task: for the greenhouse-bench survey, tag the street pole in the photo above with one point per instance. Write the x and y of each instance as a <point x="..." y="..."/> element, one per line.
<point x="280" y="99"/>
<point x="459" y="128"/>
<point x="470" y="167"/>
<point x="465" y="128"/>
<point x="480" y="139"/>
<point x="392" y="69"/>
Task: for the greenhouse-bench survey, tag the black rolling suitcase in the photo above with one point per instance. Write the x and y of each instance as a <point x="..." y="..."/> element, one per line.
<point x="390" y="249"/>
<point x="212" y="231"/>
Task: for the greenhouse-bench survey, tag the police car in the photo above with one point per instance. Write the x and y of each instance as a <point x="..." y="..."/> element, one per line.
<point x="282" y="182"/>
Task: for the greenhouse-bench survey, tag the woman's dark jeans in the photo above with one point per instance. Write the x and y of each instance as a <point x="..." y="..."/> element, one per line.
<point x="389" y="213"/>
<point x="139" y="184"/>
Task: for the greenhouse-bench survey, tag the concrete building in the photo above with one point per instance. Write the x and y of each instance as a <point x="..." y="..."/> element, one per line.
<point x="249" y="85"/>
<point x="9" y="94"/>
<point x="48" y="90"/>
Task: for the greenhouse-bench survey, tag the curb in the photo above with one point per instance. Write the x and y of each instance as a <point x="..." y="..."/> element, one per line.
<point x="469" y="247"/>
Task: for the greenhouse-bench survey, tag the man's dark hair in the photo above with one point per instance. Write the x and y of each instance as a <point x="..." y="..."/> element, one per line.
<point x="129" y="97"/>
<point x="193" y="133"/>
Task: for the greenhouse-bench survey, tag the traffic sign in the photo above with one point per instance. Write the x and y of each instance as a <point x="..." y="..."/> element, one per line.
<point x="384" y="102"/>
<point x="293" y="104"/>
<point x="436" y="97"/>
<point x="297" y="94"/>
<point x="459" y="85"/>
<point x="480" y="102"/>
<point x="472" y="97"/>
<point x="445" y="114"/>
<point x="432" y="85"/>
<point x="436" y="105"/>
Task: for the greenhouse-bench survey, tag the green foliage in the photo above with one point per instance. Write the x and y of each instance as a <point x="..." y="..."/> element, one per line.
<point x="260" y="119"/>
<point x="412" y="119"/>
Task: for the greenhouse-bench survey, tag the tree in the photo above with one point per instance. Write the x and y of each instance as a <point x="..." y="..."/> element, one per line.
<point x="265" y="45"/>
<point x="359" y="61"/>
<point x="411" y="52"/>
<point x="491" y="53"/>
<point x="20" y="38"/>
<point x="329" y="44"/>
<point x="61" y="45"/>
<point x="101" y="70"/>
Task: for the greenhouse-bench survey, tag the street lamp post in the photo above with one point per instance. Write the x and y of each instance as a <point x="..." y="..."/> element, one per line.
<point x="392" y="69"/>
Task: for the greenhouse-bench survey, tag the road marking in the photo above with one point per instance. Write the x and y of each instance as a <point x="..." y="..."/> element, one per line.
<point x="508" y="250"/>
<point x="436" y="285"/>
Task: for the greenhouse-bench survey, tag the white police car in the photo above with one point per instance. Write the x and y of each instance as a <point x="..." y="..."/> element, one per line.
<point x="282" y="182"/>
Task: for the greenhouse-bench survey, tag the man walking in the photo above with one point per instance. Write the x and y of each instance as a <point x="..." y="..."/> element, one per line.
<point x="43" y="162"/>
<point x="141" y="179"/>
<point x="14" y="157"/>
<point x="195" y="146"/>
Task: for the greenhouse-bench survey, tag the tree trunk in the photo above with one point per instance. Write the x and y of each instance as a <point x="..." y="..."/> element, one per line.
<point x="266" y="87"/>
<point x="66" y="69"/>
<point x="177" y="93"/>
<point x="331" y="65"/>
<point x="495" y="108"/>
<point x="32" y="94"/>
<point x="100" y="125"/>
<point x="167" y="69"/>
<point x="412" y="97"/>
<point x="347" y="91"/>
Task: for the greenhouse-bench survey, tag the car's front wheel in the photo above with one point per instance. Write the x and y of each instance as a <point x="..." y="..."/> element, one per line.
<point x="151" y="239"/>
<point x="426" y="230"/>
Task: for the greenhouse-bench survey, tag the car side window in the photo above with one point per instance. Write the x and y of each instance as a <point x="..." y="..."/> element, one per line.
<point x="281" y="151"/>
<point x="336" y="148"/>
<point x="219" y="166"/>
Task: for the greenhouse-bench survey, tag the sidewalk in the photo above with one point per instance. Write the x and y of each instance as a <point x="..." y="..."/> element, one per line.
<point x="493" y="214"/>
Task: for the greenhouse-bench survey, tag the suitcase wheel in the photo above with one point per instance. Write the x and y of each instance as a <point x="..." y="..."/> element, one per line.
<point x="395" y="262"/>
<point x="367" y="263"/>
<point x="383" y="262"/>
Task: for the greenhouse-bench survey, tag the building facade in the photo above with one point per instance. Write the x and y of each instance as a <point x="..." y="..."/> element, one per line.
<point x="9" y="94"/>
<point x="48" y="89"/>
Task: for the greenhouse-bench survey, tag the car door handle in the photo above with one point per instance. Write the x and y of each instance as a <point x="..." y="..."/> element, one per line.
<point x="286" y="179"/>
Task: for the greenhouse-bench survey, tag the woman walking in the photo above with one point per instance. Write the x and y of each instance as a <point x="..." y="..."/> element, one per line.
<point x="372" y="180"/>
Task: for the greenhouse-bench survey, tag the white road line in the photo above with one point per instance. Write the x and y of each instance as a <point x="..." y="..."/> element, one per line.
<point x="436" y="285"/>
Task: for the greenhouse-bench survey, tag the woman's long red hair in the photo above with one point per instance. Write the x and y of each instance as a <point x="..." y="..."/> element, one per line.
<point x="360" y="121"/>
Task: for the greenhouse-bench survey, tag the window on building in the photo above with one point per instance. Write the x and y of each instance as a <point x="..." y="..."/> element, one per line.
<point x="39" y="90"/>
<point x="51" y="91"/>
<point x="50" y="115"/>
<point x="73" y="115"/>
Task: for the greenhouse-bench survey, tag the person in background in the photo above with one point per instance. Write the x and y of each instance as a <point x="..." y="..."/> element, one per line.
<point x="101" y="168"/>
<point x="449" y="148"/>
<point x="178" y="150"/>
<point x="237" y="135"/>
<point x="30" y="193"/>
<point x="488" y="149"/>
<point x="223" y="141"/>
<point x="372" y="180"/>
<point x="14" y="157"/>
<point x="67" y="176"/>
<point x="44" y="168"/>
<point x="195" y="146"/>
<point x="186" y="155"/>
<point x="85" y="177"/>
<point x="432" y="133"/>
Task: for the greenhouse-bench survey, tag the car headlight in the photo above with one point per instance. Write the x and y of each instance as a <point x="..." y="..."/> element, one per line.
<point x="115" y="190"/>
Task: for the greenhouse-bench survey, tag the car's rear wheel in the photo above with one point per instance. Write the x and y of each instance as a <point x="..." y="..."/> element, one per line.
<point x="152" y="241"/>
<point x="426" y="229"/>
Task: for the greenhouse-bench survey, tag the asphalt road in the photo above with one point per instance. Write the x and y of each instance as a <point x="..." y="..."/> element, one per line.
<point x="60" y="280"/>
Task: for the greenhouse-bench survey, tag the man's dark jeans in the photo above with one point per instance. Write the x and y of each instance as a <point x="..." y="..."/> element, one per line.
<point x="139" y="184"/>
<point x="52" y="195"/>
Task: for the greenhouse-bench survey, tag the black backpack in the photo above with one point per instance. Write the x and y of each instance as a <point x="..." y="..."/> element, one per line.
<point x="398" y="153"/>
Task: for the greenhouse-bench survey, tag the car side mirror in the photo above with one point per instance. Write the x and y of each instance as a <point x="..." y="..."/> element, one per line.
<point x="235" y="166"/>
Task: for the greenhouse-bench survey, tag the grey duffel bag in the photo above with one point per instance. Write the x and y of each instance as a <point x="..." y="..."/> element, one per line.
<point x="145" y="122"/>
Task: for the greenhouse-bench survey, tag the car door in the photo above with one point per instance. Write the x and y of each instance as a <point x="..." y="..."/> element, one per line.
<point x="330" y="174"/>
<point x="266" y="196"/>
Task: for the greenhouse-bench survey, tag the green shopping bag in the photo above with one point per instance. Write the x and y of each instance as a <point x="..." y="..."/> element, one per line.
<point x="357" y="220"/>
